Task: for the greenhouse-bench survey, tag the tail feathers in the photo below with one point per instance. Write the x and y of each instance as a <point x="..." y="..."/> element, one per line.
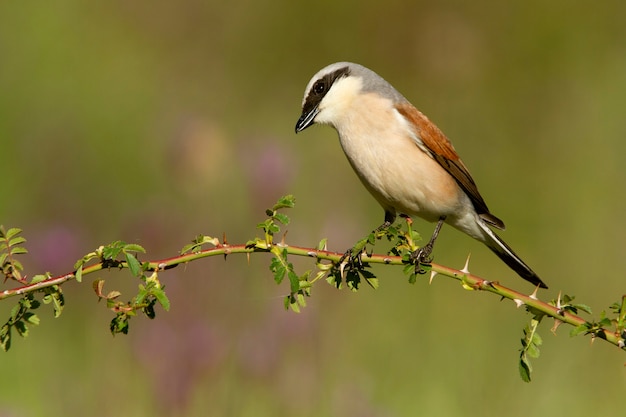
<point x="509" y="257"/>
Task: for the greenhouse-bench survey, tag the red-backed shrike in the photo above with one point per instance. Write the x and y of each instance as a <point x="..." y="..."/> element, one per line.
<point x="401" y="157"/>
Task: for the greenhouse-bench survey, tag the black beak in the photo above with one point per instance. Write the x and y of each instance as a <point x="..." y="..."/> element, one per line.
<point x="307" y="119"/>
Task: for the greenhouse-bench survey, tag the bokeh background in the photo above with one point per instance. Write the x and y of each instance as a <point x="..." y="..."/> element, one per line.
<point x="152" y="122"/>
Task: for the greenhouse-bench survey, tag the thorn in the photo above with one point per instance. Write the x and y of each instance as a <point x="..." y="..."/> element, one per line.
<point x="224" y="238"/>
<point x="559" y="308"/>
<point x="621" y="344"/>
<point x="534" y="294"/>
<point x="342" y="270"/>
<point x="432" y="275"/>
<point x="282" y="241"/>
<point x="312" y="254"/>
<point x="248" y="256"/>
<point x="557" y="323"/>
<point x="387" y="260"/>
<point x="466" y="267"/>
<point x="518" y="302"/>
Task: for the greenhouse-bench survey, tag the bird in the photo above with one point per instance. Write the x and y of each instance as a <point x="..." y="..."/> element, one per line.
<point x="402" y="158"/>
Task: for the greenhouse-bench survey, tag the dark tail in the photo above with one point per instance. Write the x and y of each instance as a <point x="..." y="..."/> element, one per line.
<point x="509" y="257"/>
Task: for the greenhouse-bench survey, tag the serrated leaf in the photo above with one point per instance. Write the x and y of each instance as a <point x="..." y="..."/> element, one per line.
<point x="149" y="311"/>
<point x="283" y="218"/>
<point x="294" y="280"/>
<point x="188" y="247"/>
<point x="119" y="324"/>
<point x="537" y="340"/>
<point x="583" y="328"/>
<point x="17" y="265"/>
<point x="288" y="201"/>
<point x="133" y="264"/>
<point x="278" y="269"/>
<point x="21" y="328"/>
<point x="113" y="250"/>
<point x="15" y="311"/>
<point x="273" y="228"/>
<point x="31" y="318"/>
<point x="532" y="350"/>
<point x="162" y="298"/>
<point x="18" y="250"/>
<point x="301" y="299"/>
<point x="524" y="370"/>
<point x="12" y="232"/>
<point x="37" y="278"/>
<point x="5" y="337"/>
<point x="16" y="241"/>
<point x="79" y="274"/>
<point x="293" y="304"/>
<point x="133" y="247"/>
<point x="583" y="307"/>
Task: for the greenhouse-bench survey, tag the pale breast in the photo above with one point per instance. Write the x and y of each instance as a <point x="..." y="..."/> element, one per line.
<point x="391" y="165"/>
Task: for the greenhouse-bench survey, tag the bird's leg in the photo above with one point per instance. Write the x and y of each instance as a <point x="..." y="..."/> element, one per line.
<point x="354" y="253"/>
<point x="422" y="255"/>
<point x="389" y="219"/>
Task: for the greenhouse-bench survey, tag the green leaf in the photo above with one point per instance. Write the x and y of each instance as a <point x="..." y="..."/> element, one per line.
<point x="583" y="328"/>
<point x="16" y="241"/>
<point x="21" y="328"/>
<point x="5" y="337"/>
<point x="133" y="264"/>
<point x="532" y="350"/>
<point x="15" y="311"/>
<point x="583" y="307"/>
<point x="12" y="232"/>
<point x="149" y="310"/>
<point x="119" y="324"/>
<point x="133" y="247"/>
<point x="54" y="295"/>
<point x="18" y="250"/>
<point x="162" y="298"/>
<point x="38" y="278"/>
<point x="79" y="274"/>
<point x="370" y="278"/>
<point x="524" y="370"/>
<point x="288" y="201"/>
<point x="278" y="269"/>
<point x="31" y="318"/>
<point x="301" y="299"/>
<point x="283" y="218"/>
<point x="112" y="250"/>
<point x="294" y="280"/>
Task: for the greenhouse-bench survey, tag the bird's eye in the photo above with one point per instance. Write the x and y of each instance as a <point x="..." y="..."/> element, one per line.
<point x="319" y="87"/>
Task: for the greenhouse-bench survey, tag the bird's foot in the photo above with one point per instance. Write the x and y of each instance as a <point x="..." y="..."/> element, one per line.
<point x="421" y="257"/>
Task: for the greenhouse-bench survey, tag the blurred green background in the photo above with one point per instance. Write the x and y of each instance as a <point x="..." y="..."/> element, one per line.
<point x="152" y="122"/>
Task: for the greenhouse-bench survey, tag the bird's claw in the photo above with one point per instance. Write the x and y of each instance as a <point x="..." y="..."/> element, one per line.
<point x="351" y="259"/>
<point x="422" y="256"/>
